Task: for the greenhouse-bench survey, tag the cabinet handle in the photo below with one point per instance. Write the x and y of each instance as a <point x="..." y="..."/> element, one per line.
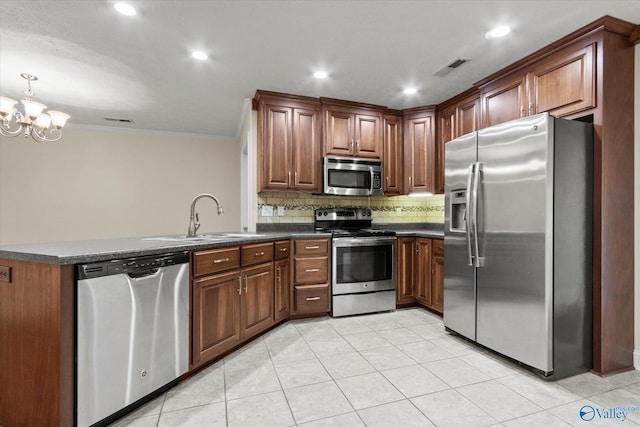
<point x="278" y="278"/>
<point x="259" y="253"/>
<point x="357" y="145"/>
<point x="522" y="111"/>
<point x="387" y="181"/>
<point x="239" y="285"/>
<point x="530" y="109"/>
<point x="352" y="145"/>
<point x="312" y="270"/>
<point x="295" y="178"/>
<point x="245" y="284"/>
<point x="312" y="247"/>
<point x="313" y="298"/>
<point x="284" y="249"/>
<point x="409" y="182"/>
<point x="417" y="249"/>
<point x="218" y="261"/>
<point x="289" y="178"/>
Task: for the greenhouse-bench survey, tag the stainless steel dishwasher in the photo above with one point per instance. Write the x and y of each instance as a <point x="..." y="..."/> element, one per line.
<point x="132" y="331"/>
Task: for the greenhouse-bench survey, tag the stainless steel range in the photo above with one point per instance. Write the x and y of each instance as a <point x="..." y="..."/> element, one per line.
<point x="363" y="273"/>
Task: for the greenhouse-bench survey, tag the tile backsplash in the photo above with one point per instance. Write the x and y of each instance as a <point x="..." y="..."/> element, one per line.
<point x="298" y="207"/>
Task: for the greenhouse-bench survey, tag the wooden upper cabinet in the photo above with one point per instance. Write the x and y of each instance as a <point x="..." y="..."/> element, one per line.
<point x="468" y="116"/>
<point x="352" y="129"/>
<point x="447" y="130"/>
<point x="565" y="83"/>
<point x="392" y="154"/>
<point x="289" y="139"/>
<point x="504" y="100"/>
<point x="419" y="150"/>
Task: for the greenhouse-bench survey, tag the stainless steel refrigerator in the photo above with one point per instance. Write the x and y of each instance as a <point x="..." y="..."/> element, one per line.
<point x="518" y="242"/>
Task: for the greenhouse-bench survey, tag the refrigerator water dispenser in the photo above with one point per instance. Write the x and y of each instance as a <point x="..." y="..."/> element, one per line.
<point x="458" y="210"/>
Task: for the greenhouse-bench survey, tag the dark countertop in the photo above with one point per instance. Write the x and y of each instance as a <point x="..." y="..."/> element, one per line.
<point x="85" y="251"/>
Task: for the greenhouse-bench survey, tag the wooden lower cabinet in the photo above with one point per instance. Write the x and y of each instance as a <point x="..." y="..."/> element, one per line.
<point x="232" y="305"/>
<point x="405" y="249"/>
<point x="311" y="276"/>
<point x="216" y="316"/>
<point x="437" y="275"/>
<point x="420" y="272"/>
<point x="282" y="290"/>
<point x="256" y="300"/>
<point x="423" y="271"/>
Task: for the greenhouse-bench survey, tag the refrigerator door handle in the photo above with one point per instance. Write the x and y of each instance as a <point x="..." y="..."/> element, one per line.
<point x="479" y="261"/>
<point x="469" y="213"/>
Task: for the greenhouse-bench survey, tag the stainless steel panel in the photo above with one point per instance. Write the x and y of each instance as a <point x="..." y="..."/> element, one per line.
<point x="515" y="221"/>
<point x="345" y="305"/>
<point x="132" y="338"/>
<point x="459" y="277"/>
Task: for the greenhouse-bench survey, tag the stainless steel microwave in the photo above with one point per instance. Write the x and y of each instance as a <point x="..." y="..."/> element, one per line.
<point x="343" y="176"/>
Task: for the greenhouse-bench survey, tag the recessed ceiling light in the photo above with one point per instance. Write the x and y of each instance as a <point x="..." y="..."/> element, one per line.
<point x="125" y="9"/>
<point x="198" y="54"/>
<point x="497" y="32"/>
<point x="410" y="91"/>
<point x="320" y="74"/>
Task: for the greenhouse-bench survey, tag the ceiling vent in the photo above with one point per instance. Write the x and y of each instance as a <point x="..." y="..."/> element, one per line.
<point x="449" y="68"/>
<point x="112" y="119"/>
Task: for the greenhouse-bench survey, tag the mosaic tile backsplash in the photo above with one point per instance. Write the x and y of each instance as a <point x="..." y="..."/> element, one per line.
<point x="298" y="207"/>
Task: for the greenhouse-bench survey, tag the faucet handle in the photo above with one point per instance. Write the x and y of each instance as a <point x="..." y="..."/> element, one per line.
<point x="197" y="223"/>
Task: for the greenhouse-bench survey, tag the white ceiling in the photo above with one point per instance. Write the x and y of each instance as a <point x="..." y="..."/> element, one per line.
<point x="94" y="63"/>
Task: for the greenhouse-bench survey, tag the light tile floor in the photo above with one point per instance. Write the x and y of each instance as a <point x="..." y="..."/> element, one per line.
<point x="390" y="369"/>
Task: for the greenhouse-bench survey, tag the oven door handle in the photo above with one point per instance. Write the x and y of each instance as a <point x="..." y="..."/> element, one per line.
<point x="341" y="242"/>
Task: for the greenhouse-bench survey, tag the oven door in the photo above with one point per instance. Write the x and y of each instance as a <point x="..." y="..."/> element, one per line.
<point x="363" y="264"/>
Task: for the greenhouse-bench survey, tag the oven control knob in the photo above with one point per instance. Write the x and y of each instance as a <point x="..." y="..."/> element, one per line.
<point x="366" y="285"/>
<point x="326" y="213"/>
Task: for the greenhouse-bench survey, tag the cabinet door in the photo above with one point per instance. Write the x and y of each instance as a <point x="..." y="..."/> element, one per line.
<point x="504" y="100"/>
<point x="437" y="275"/>
<point x="338" y="135"/>
<point x="215" y="316"/>
<point x="392" y="155"/>
<point x="404" y="266"/>
<point x="256" y="303"/>
<point x="419" y="152"/>
<point x="564" y="83"/>
<point x="277" y="148"/>
<point x="306" y="149"/>
<point x="423" y="271"/>
<point x="368" y="136"/>
<point x="447" y="124"/>
<point x="468" y="117"/>
<point x="282" y="285"/>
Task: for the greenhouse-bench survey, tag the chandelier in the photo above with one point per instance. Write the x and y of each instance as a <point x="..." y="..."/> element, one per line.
<point x="33" y="122"/>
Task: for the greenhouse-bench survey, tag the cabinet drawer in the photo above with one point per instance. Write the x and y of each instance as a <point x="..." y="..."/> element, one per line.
<point x="311" y="247"/>
<point x="312" y="299"/>
<point x="311" y="270"/>
<point x="215" y="260"/>
<point x="258" y="253"/>
<point x="437" y="247"/>
<point x="282" y="249"/>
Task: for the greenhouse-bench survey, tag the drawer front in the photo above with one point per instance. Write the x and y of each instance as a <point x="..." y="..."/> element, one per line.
<point x="282" y="248"/>
<point x="256" y="254"/>
<point x="312" y="299"/>
<point x="215" y="260"/>
<point x="311" y="247"/>
<point x="311" y="270"/>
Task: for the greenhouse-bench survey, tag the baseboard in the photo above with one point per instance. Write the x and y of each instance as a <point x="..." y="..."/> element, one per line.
<point x="636" y="359"/>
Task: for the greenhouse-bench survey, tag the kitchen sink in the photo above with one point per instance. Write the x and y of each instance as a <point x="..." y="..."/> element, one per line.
<point x="210" y="237"/>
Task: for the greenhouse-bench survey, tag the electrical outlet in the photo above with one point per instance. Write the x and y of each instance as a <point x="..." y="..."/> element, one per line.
<point x="398" y="211"/>
<point x="280" y="210"/>
<point x="267" y="210"/>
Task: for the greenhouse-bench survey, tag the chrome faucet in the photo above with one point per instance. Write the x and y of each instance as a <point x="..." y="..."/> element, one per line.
<point x="194" y="220"/>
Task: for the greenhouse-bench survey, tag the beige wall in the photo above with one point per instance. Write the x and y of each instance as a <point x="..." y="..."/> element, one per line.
<point x="637" y="208"/>
<point x="101" y="183"/>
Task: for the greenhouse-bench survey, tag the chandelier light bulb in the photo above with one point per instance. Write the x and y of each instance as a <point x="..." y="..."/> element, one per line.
<point x="58" y="118"/>
<point x="124" y="9"/>
<point x="32" y="109"/>
<point x="6" y="107"/>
